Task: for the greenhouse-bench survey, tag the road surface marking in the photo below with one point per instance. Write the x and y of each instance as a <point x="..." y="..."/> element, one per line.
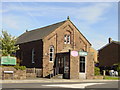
<point x="83" y="85"/>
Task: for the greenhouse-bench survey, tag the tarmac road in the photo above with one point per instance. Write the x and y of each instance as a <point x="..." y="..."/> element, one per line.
<point x="106" y="85"/>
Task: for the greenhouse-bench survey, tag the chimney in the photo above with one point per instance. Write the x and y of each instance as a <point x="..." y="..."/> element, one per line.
<point x="110" y="40"/>
<point x="26" y="30"/>
<point x="68" y="17"/>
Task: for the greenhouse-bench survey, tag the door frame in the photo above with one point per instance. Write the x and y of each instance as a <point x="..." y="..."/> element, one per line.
<point x="82" y="75"/>
<point x="64" y="56"/>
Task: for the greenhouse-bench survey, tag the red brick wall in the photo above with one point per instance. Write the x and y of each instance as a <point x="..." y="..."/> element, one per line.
<point x="56" y="38"/>
<point x="25" y="54"/>
<point x="108" y="55"/>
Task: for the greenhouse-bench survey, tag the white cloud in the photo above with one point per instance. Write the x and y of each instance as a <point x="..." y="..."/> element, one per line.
<point x="10" y="22"/>
<point x="93" y="13"/>
<point x="85" y="16"/>
<point x="90" y="14"/>
<point x="16" y="22"/>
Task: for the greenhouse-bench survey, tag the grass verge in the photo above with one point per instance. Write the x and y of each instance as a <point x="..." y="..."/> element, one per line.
<point x="111" y="78"/>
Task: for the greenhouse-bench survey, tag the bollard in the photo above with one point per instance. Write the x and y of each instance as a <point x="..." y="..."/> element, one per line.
<point x="104" y="72"/>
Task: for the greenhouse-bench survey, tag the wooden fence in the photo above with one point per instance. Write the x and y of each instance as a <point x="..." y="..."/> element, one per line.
<point x="37" y="71"/>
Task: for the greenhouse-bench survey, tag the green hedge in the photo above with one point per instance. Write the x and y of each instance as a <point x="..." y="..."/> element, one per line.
<point x="19" y="67"/>
<point x="97" y="70"/>
<point x="117" y="68"/>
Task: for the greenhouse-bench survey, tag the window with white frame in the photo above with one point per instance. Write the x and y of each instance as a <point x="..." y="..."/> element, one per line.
<point x="67" y="39"/>
<point x="33" y="54"/>
<point x="51" y="53"/>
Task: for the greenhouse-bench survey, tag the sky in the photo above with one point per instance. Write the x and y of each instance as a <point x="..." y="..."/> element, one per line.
<point x="97" y="21"/>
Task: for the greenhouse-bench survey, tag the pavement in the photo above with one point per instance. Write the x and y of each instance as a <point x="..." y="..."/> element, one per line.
<point x="44" y="80"/>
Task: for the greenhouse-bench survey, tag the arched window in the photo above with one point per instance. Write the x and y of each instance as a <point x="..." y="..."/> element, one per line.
<point x="82" y="50"/>
<point x="51" y="53"/>
<point x="33" y="53"/>
<point x="66" y="39"/>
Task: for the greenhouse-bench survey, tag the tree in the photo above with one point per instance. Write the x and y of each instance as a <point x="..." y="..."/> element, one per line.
<point x="7" y="44"/>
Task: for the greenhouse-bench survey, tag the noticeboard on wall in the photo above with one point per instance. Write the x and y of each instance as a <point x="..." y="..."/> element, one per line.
<point x="82" y="53"/>
<point x="8" y="60"/>
<point x="79" y="53"/>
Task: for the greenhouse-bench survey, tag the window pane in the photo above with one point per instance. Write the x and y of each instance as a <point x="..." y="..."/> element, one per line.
<point x="65" y="39"/>
<point x="68" y="39"/>
<point x="33" y="52"/>
<point x="51" y="50"/>
<point x="50" y="59"/>
<point x="82" y="67"/>
<point x="51" y="53"/>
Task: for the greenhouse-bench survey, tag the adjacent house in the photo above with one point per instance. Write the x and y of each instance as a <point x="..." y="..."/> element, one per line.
<point x="108" y="54"/>
<point x="55" y="48"/>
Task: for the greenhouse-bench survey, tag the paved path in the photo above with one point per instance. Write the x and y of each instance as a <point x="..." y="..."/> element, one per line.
<point x="43" y="80"/>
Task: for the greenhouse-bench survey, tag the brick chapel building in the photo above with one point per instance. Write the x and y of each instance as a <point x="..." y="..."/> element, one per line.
<point x="50" y="47"/>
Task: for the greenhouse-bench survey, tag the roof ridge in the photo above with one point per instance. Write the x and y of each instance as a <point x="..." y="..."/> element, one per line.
<point x="116" y="42"/>
<point x="47" y="26"/>
<point x="38" y="33"/>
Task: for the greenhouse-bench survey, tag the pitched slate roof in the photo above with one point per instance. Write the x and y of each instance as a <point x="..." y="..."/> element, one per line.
<point x="116" y="42"/>
<point x="38" y="34"/>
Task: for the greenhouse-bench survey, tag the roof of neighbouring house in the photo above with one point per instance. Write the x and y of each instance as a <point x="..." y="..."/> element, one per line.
<point x="116" y="42"/>
<point x="37" y="34"/>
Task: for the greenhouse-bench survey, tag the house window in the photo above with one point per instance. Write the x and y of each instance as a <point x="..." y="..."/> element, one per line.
<point x="51" y="53"/>
<point x="67" y="39"/>
<point x="33" y="54"/>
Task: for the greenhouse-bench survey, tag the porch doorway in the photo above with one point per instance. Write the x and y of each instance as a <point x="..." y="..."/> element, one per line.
<point x="63" y="65"/>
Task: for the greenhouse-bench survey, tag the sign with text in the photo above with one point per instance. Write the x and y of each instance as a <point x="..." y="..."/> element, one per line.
<point x="82" y="53"/>
<point x="8" y="60"/>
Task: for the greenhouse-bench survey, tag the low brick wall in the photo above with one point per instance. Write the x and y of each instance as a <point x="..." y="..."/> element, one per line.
<point x="18" y="74"/>
<point x="33" y="72"/>
<point x="98" y="77"/>
<point x="0" y="73"/>
<point x="90" y="77"/>
<point x="30" y="75"/>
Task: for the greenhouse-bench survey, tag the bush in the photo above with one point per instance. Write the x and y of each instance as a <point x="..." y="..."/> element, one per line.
<point x="19" y="67"/>
<point x="97" y="70"/>
<point x="117" y="68"/>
